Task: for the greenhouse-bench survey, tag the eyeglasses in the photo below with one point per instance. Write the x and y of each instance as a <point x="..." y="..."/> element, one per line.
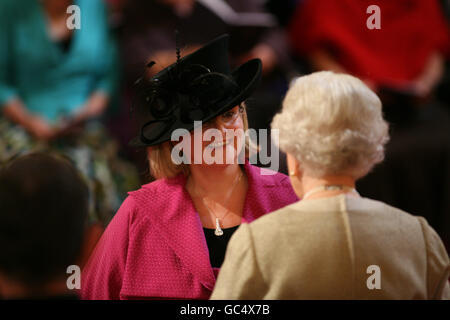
<point x="225" y="119"/>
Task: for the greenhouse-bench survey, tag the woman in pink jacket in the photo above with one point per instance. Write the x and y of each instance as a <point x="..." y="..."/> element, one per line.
<point x="168" y="239"/>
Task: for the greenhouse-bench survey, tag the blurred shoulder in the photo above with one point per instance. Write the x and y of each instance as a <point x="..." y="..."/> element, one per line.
<point x="155" y="196"/>
<point x="269" y="226"/>
<point x="315" y="212"/>
<point x="379" y="210"/>
<point x="268" y="177"/>
<point x="158" y="190"/>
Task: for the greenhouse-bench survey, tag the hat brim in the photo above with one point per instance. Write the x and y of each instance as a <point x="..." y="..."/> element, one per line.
<point x="246" y="76"/>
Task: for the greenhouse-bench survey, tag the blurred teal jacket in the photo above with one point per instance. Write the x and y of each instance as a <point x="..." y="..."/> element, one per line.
<point x="53" y="83"/>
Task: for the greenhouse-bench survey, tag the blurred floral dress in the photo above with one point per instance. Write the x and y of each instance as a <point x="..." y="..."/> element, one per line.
<point x="54" y="82"/>
<point x="93" y="153"/>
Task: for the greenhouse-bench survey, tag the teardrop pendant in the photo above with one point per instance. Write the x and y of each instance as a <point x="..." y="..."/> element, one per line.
<point x="219" y="230"/>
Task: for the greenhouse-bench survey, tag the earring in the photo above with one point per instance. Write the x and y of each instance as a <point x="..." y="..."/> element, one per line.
<point x="292" y="173"/>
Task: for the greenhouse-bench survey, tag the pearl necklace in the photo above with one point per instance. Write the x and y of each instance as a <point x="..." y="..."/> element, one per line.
<point x="329" y="187"/>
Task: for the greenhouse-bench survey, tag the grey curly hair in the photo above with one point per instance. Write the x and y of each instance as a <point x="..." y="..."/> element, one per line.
<point x="332" y="124"/>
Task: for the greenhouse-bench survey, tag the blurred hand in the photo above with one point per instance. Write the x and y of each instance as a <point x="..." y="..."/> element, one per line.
<point x="94" y="107"/>
<point x="40" y="128"/>
<point x="70" y="128"/>
<point x="422" y="87"/>
<point x="433" y="71"/>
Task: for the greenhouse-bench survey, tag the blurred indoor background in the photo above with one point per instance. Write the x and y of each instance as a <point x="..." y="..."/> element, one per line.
<point x="71" y="91"/>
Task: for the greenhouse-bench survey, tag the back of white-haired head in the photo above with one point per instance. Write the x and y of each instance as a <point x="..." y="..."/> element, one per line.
<point x="332" y="124"/>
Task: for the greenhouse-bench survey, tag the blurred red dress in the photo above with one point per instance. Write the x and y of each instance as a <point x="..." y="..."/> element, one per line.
<point x="411" y="30"/>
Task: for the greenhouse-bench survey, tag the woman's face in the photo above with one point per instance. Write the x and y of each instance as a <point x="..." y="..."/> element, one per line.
<point x="222" y="139"/>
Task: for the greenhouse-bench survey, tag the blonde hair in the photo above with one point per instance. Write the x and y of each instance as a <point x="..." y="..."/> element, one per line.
<point x="332" y="124"/>
<point x="160" y="159"/>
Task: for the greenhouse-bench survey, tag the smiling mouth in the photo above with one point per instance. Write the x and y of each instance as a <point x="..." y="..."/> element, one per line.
<point x="215" y="145"/>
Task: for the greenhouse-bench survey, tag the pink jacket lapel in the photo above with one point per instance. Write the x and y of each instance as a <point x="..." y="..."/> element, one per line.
<point x="181" y="227"/>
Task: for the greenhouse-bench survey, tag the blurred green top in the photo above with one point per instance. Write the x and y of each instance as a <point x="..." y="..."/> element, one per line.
<point x="50" y="81"/>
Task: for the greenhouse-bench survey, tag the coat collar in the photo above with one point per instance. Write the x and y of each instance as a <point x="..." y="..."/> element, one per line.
<point x="182" y="229"/>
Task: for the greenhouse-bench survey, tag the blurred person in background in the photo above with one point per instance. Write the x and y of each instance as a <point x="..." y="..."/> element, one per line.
<point x="403" y="62"/>
<point x="43" y="215"/>
<point x="334" y="36"/>
<point x="56" y="83"/>
<point x="147" y="34"/>
<point x="328" y="245"/>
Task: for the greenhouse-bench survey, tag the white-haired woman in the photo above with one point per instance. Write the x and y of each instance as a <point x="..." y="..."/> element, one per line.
<point x="333" y="244"/>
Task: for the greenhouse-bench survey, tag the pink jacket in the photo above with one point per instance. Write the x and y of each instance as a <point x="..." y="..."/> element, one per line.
<point x="155" y="246"/>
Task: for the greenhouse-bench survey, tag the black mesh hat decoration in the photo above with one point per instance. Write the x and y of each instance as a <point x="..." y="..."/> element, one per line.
<point x="197" y="87"/>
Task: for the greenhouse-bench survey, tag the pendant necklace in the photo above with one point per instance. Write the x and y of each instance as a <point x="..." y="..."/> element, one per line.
<point x="218" y="232"/>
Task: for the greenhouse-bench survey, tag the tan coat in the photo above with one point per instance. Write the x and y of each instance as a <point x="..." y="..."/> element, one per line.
<point x="322" y="248"/>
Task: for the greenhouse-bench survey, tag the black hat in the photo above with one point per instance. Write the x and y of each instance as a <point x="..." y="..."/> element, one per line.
<point x="197" y="87"/>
